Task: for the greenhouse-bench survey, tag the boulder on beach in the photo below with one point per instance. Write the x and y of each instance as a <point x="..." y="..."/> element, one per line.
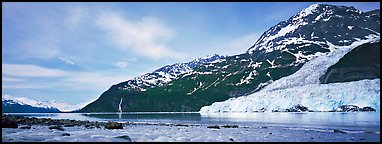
<point x="126" y="137"/>
<point x="68" y="125"/>
<point x="8" y="123"/>
<point x="230" y="126"/>
<point x="113" y="125"/>
<point x="57" y="127"/>
<point x="214" y="127"/>
<point x="338" y="131"/>
<point x="26" y="127"/>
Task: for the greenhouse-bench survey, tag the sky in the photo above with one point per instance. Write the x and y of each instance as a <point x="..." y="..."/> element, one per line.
<point x="73" y="52"/>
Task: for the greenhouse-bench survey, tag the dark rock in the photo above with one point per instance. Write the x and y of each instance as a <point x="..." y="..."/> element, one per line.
<point x="264" y="127"/>
<point x="298" y="108"/>
<point x="113" y="125"/>
<point x="126" y="137"/>
<point x="26" y="127"/>
<point x="68" y="125"/>
<point x="7" y="122"/>
<point x="58" y="127"/>
<point x="231" y="139"/>
<point x="349" y="108"/>
<point x="270" y="133"/>
<point x="214" y="127"/>
<point x="65" y="134"/>
<point x="369" y="132"/>
<point x="367" y="109"/>
<point x="301" y="108"/>
<point x="339" y="131"/>
<point x="363" y="62"/>
<point x="230" y="126"/>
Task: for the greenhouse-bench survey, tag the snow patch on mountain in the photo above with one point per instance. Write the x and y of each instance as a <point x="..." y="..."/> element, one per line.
<point x="167" y="73"/>
<point x="303" y="88"/>
<point x="307" y="11"/>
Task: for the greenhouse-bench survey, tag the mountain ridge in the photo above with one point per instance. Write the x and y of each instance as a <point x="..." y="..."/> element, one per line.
<point x="278" y="53"/>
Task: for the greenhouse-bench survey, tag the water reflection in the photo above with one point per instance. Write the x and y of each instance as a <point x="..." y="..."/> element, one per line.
<point x="139" y="117"/>
<point x="308" y="118"/>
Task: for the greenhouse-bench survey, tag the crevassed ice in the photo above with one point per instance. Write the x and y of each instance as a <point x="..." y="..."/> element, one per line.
<point x="317" y="97"/>
<point x="303" y="88"/>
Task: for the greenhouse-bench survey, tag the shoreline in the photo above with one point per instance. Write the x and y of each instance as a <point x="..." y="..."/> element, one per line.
<point x="65" y="130"/>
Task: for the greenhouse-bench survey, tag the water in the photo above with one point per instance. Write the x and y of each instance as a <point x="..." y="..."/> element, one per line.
<point x="312" y="126"/>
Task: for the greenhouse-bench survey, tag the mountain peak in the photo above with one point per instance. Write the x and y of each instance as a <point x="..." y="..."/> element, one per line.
<point x="324" y="8"/>
<point x="317" y="25"/>
<point x="309" y="10"/>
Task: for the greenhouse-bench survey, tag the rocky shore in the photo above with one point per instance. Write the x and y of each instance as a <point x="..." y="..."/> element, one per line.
<point x="31" y="129"/>
<point x="14" y="121"/>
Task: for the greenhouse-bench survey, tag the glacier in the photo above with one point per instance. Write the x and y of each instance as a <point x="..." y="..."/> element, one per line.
<point x="317" y="97"/>
<point x="303" y="88"/>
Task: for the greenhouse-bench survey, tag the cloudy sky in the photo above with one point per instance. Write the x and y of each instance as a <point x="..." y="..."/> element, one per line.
<point x="72" y="52"/>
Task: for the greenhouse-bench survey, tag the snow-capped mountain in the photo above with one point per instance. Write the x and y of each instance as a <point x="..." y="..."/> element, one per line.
<point x="165" y="74"/>
<point x="320" y="31"/>
<point x="24" y="104"/>
<point x="317" y="25"/>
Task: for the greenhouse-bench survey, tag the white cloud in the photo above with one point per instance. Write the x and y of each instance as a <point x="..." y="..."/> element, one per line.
<point x="23" y="77"/>
<point x="10" y="79"/>
<point x="75" y="16"/>
<point x="25" y="85"/>
<point x="32" y="77"/>
<point x="121" y="64"/>
<point x="146" y="37"/>
<point x="66" y="60"/>
<point x="93" y="80"/>
<point x="238" y="45"/>
<point x="43" y="46"/>
<point x="25" y="70"/>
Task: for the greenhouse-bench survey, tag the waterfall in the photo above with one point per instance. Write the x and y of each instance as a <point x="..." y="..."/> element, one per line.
<point x="120" y="109"/>
<point x="119" y="106"/>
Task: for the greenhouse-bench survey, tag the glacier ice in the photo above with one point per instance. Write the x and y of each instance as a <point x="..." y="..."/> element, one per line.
<point x="317" y="97"/>
<point x="303" y="88"/>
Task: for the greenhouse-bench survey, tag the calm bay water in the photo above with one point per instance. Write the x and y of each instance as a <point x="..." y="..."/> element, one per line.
<point x="352" y="120"/>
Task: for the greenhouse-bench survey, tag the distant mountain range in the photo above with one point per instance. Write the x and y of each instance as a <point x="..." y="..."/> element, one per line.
<point x="17" y="106"/>
<point x="11" y="104"/>
<point x="302" y="51"/>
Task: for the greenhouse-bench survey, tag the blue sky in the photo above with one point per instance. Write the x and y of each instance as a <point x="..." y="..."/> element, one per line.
<point x="72" y="52"/>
